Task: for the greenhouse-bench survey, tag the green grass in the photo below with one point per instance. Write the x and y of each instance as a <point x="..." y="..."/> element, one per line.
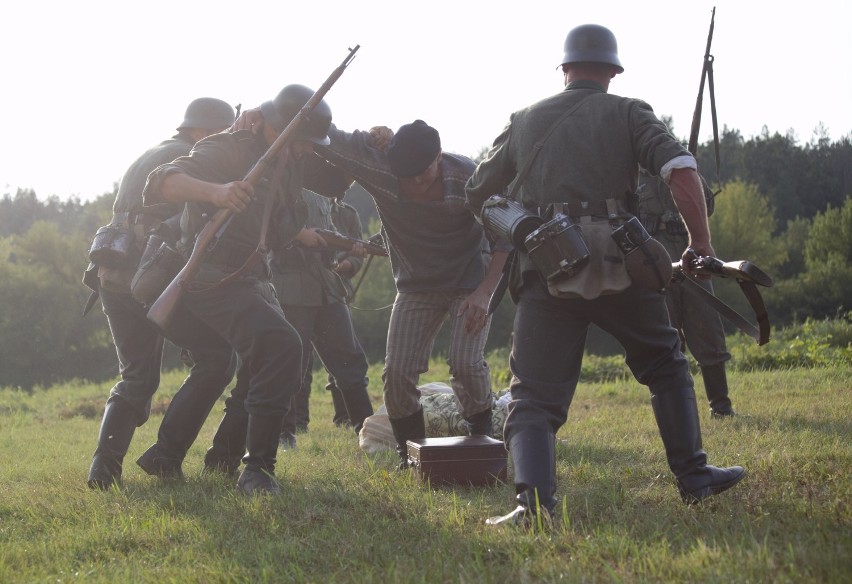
<point x="345" y="517"/>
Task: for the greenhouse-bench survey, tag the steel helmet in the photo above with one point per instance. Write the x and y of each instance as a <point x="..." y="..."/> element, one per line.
<point x="208" y="113"/>
<point x="591" y="43"/>
<point x="280" y="111"/>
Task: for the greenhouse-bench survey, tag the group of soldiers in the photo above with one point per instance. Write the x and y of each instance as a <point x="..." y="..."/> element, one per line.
<point x="258" y="317"/>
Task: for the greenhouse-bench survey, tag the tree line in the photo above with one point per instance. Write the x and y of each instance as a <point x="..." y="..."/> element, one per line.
<point x="782" y="204"/>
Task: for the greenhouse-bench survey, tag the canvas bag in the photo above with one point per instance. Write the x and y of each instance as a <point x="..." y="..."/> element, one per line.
<point x="605" y="273"/>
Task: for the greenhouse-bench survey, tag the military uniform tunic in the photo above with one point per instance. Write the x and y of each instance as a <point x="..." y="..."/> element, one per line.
<point x="593" y="155"/>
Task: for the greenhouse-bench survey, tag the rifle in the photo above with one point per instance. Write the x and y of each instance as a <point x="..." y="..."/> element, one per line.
<point x="162" y="309"/>
<point x="342" y="242"/>
<point x="706" y="74"/>
<point x="740" y="270"/>
<point x="747" y="275"/>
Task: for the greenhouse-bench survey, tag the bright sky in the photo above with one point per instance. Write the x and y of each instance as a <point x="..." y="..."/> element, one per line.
<point x="87" y="86"/>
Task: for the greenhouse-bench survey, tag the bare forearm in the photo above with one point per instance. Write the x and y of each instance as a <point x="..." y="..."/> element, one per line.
<point x="493" y="272"/>
<point x="182" y="188"/>
<point x="688" y="195"/>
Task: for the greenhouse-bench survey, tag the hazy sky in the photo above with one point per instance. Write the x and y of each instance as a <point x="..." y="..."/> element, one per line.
<point x="88" y="86"/>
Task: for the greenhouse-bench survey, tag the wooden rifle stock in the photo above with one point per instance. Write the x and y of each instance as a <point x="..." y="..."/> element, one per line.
<point x="345" y="243"/>
<point x="162" y="309"/>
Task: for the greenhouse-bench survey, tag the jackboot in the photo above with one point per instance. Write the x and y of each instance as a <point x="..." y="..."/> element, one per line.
<point x="479" y="424"/>
<point x="533" y="452"/>
<point x="357" y="405"/>
<point x="677" y="419"/>
<point x="716" y="386"/>
<point x="404" y="429"/>
<point x="117" y="428"/>
<point x="180" y="427"/>
<point x="229" y="444"/>
<point x="341" y="415"/>
<point x="258" y="476"/>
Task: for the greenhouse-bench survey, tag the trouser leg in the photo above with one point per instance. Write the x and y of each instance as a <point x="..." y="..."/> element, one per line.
<point x="716" y="388"/>
<point x="470" y="376"/>
<point x="247" y="315"/>
<point x="343" y="356"/>
<point x="303" y="319"/>
<point x="139" y="347"/>
<point x="229" y="442"/>
<point x="212" y="370"/>
<point x="414" y="323"/>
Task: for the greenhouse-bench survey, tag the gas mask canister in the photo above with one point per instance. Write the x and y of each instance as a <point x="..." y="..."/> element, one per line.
<point x="556" y="247"/>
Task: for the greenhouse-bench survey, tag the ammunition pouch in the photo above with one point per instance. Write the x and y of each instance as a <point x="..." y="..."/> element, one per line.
<point x="113" y="245"/>
<point x="159" y="265"/>
<point x="647" y="262"/>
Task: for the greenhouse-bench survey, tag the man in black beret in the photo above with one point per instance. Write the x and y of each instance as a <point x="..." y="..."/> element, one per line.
<point x="443" y="266"/>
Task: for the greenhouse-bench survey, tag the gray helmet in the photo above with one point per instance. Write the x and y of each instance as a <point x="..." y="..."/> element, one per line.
<point x="281" y="110"/>
<point x="591" y="43"/>
<point x="208" y="113"/>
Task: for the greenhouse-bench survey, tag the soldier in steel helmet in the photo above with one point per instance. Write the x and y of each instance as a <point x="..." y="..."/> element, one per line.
<point x="138" y="343"/>
<point x="587" y="168"/>
<point x="244" y="310"/>
<point x="314" y="298"/>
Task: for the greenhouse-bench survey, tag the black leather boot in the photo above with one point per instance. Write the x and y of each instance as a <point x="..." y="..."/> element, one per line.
<point x="716" y="386"/>
<point x="677" y="419"/>
<point x="258" y="476"/>
<point x="158" y="463"/>
<point x="404" y="429"/>
<point x="229" y="444"/>
<point x="180" y="427"/>
<point x="356" y="400"/>
<point x="533" y="452"/>
<point x="341" y="415"/>
<point x="480" y="424"/>
<point x="117" y="428"/>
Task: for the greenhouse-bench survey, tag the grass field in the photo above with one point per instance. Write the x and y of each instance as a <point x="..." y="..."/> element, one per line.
<point x="344" y="516"/>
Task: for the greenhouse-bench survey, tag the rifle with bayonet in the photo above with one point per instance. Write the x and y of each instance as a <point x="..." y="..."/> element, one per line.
<point x="341" y="242"/>
<point x="747" y="275"/>
<point x="162" y="309"/>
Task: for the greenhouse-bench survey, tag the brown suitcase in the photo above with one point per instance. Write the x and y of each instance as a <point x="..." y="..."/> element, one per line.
<point x="458" y="460"/>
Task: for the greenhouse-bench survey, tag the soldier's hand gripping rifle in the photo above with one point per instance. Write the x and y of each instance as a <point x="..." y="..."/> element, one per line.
<point x="162" y="309"/>
<point x="746" y="274"/>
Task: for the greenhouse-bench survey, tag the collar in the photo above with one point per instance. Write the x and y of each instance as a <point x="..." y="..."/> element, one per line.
<point x="584" y="84"/>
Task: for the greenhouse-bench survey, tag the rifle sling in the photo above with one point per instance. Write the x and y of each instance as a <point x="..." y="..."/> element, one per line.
<point x="754" y="298"/>
<point x="258" y="254"/>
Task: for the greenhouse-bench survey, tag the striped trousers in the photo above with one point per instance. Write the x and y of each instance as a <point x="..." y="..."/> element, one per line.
<point x="415" y="321"/>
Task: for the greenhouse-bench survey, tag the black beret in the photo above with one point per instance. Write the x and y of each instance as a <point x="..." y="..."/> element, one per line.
<point x="413" y="148"/>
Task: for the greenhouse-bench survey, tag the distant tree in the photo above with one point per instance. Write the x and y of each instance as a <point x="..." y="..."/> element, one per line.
<point x="794" y="240"/>
<point x="830" y="238"/>
<point x="44" y="337"/>
<point x="743" y="225"/>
